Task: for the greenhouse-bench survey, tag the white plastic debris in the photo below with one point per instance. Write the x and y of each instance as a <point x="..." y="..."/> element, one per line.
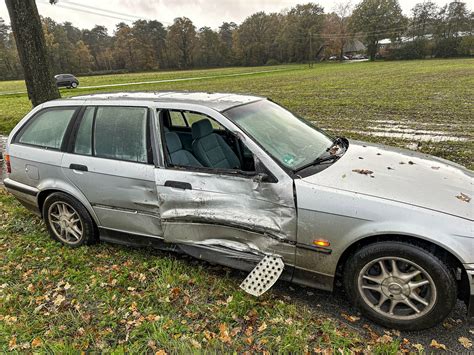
<point x="263" y="276"/>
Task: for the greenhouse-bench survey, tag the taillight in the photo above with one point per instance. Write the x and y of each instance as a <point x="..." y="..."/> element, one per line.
<point x="8" y="164"/>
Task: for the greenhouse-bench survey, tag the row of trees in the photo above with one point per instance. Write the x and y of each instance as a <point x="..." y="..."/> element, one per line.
<point x="437" y="32"/>
<point x="296" y="35"/>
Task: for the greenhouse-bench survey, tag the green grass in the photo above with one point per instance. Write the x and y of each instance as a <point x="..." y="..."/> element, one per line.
<point x="358" y="100"/>
<point x="112" y="298"/>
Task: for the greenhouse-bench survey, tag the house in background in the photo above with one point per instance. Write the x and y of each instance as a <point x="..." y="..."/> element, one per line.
<point x="353" y="47"/>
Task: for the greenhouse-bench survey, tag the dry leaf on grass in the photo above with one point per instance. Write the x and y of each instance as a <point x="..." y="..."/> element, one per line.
<point x="436" y="345"/>
<point x="262" y="327"/>
<point x="195" y="343"/>
<point x="59" y="300"/>
<point x="418" y="347"/>
<point x="350" y="318"/>
<point x="465" y="342"/>
<point x="37" y="342"/>
<point x="224" y="333"/>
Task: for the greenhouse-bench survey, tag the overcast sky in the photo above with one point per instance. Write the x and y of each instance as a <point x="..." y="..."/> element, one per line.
<point x="202" y="12"/>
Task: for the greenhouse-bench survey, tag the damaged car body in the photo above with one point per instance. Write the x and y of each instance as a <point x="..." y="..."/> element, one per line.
<point x="241" y="181"/>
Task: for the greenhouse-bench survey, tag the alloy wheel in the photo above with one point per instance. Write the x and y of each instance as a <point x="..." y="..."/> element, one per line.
<point x="65" y="222"/>
<point x="397" y="288"/>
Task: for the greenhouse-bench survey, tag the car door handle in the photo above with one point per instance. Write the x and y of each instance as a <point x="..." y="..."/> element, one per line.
<point x="78" y="167"/>
<point x="178" y="185"/>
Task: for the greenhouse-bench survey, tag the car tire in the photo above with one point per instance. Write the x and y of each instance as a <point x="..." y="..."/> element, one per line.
<point x="384" y="274"/>
<point x="74" y="85"/>
<point x="68" y="221"/>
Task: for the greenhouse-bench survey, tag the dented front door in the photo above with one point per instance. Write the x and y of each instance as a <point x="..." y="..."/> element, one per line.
<point x="230" y="214"/>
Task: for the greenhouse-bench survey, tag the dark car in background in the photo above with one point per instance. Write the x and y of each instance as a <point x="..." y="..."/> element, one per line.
<point x="66" y="80"/>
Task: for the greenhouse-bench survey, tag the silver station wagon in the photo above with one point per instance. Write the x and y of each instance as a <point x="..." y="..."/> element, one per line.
<point x="241" y="181"/>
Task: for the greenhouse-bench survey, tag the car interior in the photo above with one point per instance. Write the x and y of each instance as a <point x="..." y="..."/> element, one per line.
<point x="195" y="140"/>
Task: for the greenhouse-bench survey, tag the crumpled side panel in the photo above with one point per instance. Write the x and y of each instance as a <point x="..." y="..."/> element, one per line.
<point x="222" y="209"/>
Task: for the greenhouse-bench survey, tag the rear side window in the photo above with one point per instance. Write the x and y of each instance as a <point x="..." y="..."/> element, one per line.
<point x="47" y="128"/>
<point x="121" y="133"/>
<point x="177" y="119"/>
<point x="192" y="117"/>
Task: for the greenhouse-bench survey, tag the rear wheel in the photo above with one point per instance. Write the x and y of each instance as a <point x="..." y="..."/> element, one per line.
<point x="68" y="221"/>
<point x="400" y="285"/>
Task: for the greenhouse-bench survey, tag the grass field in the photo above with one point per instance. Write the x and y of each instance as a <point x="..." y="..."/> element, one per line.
<point x="112" y="298"/>
<point x="106" y="297"/>
<point x="424" y="105"/>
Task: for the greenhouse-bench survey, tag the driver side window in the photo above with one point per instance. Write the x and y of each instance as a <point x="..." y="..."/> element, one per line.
<point x="203" y="144"/>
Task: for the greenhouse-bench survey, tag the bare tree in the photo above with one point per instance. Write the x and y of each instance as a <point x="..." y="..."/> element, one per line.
<point x="30" y="42"/>
<point x="343" y="10"/>
<point x="336" y="28"/>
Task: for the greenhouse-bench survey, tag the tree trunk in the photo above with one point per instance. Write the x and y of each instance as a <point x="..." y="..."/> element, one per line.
<point x="372" y="49"/>
<point x="30" y="43"/>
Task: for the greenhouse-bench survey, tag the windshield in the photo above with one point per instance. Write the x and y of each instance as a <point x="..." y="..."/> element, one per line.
<point x="289" y="139"/>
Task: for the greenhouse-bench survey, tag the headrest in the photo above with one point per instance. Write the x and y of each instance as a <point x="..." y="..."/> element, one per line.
<point x="201" y="129"/>
<point x="173" y="142"/>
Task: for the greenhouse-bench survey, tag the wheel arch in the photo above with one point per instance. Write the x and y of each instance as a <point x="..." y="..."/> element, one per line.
<point x="43" y="195"/>
<point x="438" y="250"/>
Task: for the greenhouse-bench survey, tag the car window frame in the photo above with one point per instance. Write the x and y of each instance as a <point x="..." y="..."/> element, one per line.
<point x="75" y="130"/>
<point x="202" y="169"/>
<point x="67" y="132"/>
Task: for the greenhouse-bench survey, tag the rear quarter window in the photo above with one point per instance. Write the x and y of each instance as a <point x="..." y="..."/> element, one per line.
<point x="47" y="128"/>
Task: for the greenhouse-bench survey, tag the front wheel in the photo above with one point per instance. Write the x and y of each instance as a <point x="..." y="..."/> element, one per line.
<point x="74" y="85"/>
<point x="400" y="285"/>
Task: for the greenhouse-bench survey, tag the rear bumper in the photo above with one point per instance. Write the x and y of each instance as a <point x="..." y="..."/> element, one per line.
<point x="26" y="194"/>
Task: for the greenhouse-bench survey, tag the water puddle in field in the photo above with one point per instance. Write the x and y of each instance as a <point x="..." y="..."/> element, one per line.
<point x="401" y="130"/>
<point x="415" y="135"/>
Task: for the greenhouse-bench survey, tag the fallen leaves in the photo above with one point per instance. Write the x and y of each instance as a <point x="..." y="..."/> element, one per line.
<point x="224" y="333"/>
<point x="175" y="292"/>
<point x="350" y="318"/>
<point x="363" y="171"/>
<point x="9" y="320"/>
<point x="195" y="344"/>
<point x="58" y="301"/>
<point x="418" y="347"/>
<point x="385" y="339"/>
<point x="465" y="342"/>
<point x="436" y="345"/>
<point x="262" y="327"/>
<point x="463" y="197"/>
<point x="12" y="343"/>
<point x="36" y="343"/>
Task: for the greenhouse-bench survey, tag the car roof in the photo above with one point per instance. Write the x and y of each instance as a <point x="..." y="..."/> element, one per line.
<point x="216" y="101"/>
